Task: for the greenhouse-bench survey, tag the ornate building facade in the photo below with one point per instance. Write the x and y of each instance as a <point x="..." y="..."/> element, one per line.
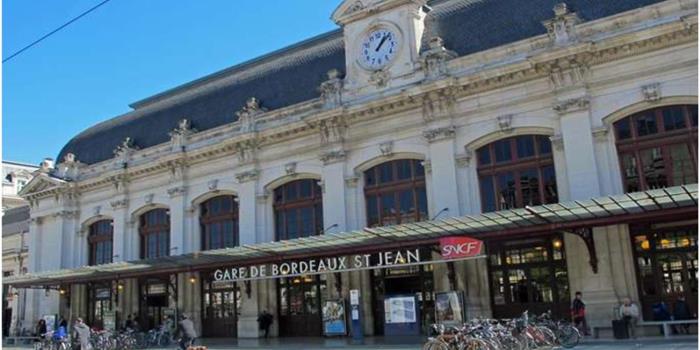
<point x="412" y="112"/>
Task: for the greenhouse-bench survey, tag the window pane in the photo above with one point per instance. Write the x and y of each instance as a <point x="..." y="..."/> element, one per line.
<point x="488" y="197"/>
<point x="407" y="207"/>
<point x="279" y="225"/>
<point x="518" y="286"/>
<point x="228" y="234"/>
<point x="292" y="224"/>
<point x="319" y="219"/>
<point x="419" y="171"/>
<point x="305" y="188"/>
<point x="683" y="168"/>
<point x="163" y="244"/>
<point x="279" y="194"/>
<point x="693" y="111"/>
<point x="646" y="274"/>
<point x="403" y="169"/>
<point x="630" y="174"/>
<point x="152" y="242"/>
<point x="561" y="276"/>
<point x="506" y="191"/>
<point x="502" y="150"/>
<point x="227" y="204"/>
<point x="545" y="145"/>
<point x="386" y="173"/>
<point x="484" y="155"/>
<point x="622" y="129"/>
<point x="550" y="185"/>
<point x="498" y="286"/>
<point x="654" y="168"/>
<point x="291" y="189"/>
<point x="422" y="203"/>
<point x="372" y="214"/>
<point x="530" y="187"/>
<point x="307" y="221"/>
<point x="370" y="178"/>
<point x="525" y="146"/>
<point x="646" y="124"/>
<point x="674" y="118"/>
<point x="388" y="209"/>
<point x="541" y="285"/>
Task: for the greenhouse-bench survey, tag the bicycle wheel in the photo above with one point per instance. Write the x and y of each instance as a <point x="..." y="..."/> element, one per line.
<point x="548" y="336"/>
<point x="511" y="343"/>
<point x="474" y="344"/>
<point x="435" y="345"/>
<point x="568" y="336"/>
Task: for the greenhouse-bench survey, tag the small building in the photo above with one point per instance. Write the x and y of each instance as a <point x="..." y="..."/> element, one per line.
<point x="561" y="136"/>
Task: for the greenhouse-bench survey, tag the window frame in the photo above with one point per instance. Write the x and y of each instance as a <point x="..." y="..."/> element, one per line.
<point x="97" y="238"/>
<point x="146" y="229"/>
<point x="415" y="183"/>
<point x="285" y="206"/>
<point x="539" y="161"/>
<point x="634" y="145"/>
<point x="206" y="219"/>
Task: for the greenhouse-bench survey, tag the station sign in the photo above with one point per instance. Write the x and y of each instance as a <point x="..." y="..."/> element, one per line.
<point x="459" y="247"/>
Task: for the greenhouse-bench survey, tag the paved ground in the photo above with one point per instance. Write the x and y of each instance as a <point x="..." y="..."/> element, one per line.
<point x="657" y="343"/>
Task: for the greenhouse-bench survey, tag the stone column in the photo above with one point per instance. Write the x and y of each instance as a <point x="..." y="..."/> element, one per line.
<point x="333" y="182"/>
<point x="177" y="219"/>
<point x="444" y="171"/>
<point x="121" y="224"/>
<point x="248" y="313"/>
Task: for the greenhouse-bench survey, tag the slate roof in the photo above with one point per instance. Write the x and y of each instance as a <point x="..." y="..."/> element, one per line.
<point x="292" y="75"/>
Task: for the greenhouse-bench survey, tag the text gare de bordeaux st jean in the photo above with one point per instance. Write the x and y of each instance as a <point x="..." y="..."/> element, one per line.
<point x="450" y="248"/>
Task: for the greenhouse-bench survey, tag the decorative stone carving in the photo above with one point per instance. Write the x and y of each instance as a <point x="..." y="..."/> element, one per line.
<point x="386" y="148"/>
<point x="437" y="134"/>
<point x="557" y="142"/>
<point x="125" y="150"/>
<point x="262" y="197"/>
<point x="355" y="7"/>
<point x="119" y="203"/>
<point x="176" y="191"/>
<point x="69" y="169"/>
<point x="427" y="165"/>
<point x="572" y="105"/>
<point x="600" y="133"/>
<point x="651" y="92"/>
<point x="380" y="78"/>
<point x="67" y="214"/>
<point x="180" y="135"/>
<point x="505" y="123"/>
<point x="247" y="114"/>
<point x="96" y="210"/>
<point x="246" y="176"/>
<point x="332" y="131"/>
<point x="177" y="169"/>
<point x="334" y="156"/>
<point x="246" y="150"/>
<point x="561" y="29"/>
<point x="213" y="185"/>
<point x="434" y="60"/>
<point x="290" y="168"/>
<point x="438" y="104"/>
<point x="567" y="71"/>
<point x="120" y="182"/>
<point x="148" y="198"/>
<point x="462" y="160"/>
<point x="331" y="89"/>
<point x="46" y="166"/>
<point x="351" y="181"/>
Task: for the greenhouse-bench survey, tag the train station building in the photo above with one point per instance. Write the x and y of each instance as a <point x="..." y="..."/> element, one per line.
<point x="427" y="161"/>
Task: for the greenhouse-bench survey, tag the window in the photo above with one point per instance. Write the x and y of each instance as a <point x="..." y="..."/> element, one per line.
<point x="100" y="241"/>
<point x="219" y="222"/>
<point x="658" y="147"/>
<point x="7" y="273"/>
<point x="395" y="193"/>
<point x="298" y="209"/>
<point x="667" y="265"/>
<point x="154" y="227"/>
<point x="515" y="172"/>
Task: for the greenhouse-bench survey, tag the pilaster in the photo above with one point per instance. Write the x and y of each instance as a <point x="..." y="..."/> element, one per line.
<point x="443" y="170"/>
<point x="120" y="208"/>
<point x="177" y="219"/>
<point x="334" y="196"/>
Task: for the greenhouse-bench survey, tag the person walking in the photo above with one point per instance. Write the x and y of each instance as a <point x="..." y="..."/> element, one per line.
<point x="629" y="313"/>
<point x="81" y="335"/>
<point x="186" y="332"/>
<point x="41" y="328"/>
<point x="578" y="314"/>
<point x="681" y="311"/>
<point x="265" y="320"/>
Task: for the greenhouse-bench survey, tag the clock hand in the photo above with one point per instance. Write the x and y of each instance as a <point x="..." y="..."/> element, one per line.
<point x="381" y="43"/>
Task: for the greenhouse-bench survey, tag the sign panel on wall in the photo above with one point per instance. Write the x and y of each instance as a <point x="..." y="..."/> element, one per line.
<point x="459" y="247"/>
<point x="400" y="309"/>
<point x="449" y="307"/>
<point x="334" y="317"/>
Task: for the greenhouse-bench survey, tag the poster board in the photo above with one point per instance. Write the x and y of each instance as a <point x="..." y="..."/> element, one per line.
<point x="50" y="322"/>
<point x="109" y="320"/>
<point x="401" y="315"/>
<point x="334" y="319"/>
<point x="449" y="308"/>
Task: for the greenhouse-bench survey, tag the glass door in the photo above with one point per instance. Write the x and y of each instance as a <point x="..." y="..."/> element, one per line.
<point x="300" y="305"/>
<point x="221" y="300"/>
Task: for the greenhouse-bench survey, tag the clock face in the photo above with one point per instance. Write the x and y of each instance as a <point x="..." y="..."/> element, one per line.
<point x="378" y="48"/>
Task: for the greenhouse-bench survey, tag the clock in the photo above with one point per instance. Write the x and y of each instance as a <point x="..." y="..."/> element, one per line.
<point x="378" y="48"/>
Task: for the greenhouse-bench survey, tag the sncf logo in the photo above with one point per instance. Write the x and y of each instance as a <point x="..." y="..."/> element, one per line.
<point x="459" y="247"/>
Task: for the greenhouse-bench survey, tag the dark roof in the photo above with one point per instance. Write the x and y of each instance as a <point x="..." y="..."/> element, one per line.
<point x="14" y="215"/>
<point x="466" y="26"/>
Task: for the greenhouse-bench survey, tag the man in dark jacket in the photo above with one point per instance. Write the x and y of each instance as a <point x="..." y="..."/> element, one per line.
<point x="265" y="320"/>
<point x="681" y="312"/>
<point x="81" y="334"/>
<point x="578" y="313"/>
<point x="185" y="329"/>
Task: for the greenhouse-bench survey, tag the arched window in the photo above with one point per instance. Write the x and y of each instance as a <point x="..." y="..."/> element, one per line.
<point x="395" y="193"/>
<point x="100" y="241"/>
<point x="154" y="227"/>
<point x="219" y="222"/>
<point x="298" y="209"/>
<point x="515" y="172"/>
<point x="658" y="147"/>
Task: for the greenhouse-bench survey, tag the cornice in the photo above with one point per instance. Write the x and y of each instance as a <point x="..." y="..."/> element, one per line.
<point x="598" y="42"/>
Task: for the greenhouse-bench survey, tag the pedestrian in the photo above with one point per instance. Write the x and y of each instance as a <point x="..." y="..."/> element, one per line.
<point x="135" y="323"/>
<point x="81" y="334"/>
<point x="681" y="312"/>
<point x="41" y="328"/>
<point x="265" y="320"/>
<point x="63" y="323"/>
<point x="629" y="313"/>
<point x="186" y="332"/>
<point x="128" y="324"/>
<point x="578" y="314"/>
<point x="660" y="313"/>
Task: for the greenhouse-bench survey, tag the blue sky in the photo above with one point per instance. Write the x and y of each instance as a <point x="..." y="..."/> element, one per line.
<point x="125" y="51"/>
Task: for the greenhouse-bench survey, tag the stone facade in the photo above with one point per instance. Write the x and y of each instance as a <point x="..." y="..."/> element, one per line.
<point x="569" y="87"/>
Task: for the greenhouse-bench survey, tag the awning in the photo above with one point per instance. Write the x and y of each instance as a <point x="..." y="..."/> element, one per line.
<point x="672" y="202"/>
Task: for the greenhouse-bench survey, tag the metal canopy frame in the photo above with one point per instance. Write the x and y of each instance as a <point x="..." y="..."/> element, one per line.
<point x="577" y="217"/>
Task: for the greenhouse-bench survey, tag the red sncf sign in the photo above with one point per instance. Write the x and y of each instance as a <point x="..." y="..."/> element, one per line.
<point x="459" y="247"/>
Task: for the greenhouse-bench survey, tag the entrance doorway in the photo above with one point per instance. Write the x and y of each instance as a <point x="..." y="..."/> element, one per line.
<point x="99" y="302"/>
<point x="529" y="275"/>
<point x="220" y="304"/>
<point x="408" y="280"/>
<point x="155" y="294"/>
<point x="299" y="302"/>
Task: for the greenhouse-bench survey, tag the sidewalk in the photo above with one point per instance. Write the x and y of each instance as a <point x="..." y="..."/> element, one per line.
<point x="414" y="343"/>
